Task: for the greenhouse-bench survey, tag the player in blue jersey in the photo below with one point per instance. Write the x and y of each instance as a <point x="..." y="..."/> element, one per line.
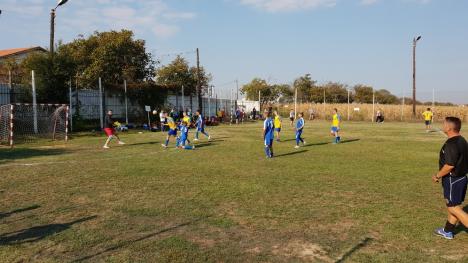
<point x="200" y="126"/>
<point x="268" y="134"/>
<point x="182" y="141"/>
<point x="299" y="128"/>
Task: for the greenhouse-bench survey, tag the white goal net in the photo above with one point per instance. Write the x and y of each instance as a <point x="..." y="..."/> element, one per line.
<point x="24" y="123"/>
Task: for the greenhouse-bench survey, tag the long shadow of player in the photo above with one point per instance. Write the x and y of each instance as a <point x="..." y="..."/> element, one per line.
<point x="20" y="210"/>
<point x="37" y="233"/>
<point x="350" y="140"/>
<point x="291" y="153"/>
<point x="125" y="243"/>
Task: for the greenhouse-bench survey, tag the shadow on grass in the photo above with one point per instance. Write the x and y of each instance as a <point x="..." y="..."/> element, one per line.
<point x="358" y="246"/>
<point x="202" y="145"/>
<point x="291" y="153"/>
<point x="141" y="143"/>
<point x="20" y="210"/>
<point x="23" y="153"/>
<point x="350" y="140"/>
<point x="132" y="241"/>
<point x="316" y="144"/>
<point x="37" y="233"/>
<point x="461" y="228"/>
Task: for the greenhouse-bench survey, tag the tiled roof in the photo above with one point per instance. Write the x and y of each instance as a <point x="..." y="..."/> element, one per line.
<point x="15" y="51"/>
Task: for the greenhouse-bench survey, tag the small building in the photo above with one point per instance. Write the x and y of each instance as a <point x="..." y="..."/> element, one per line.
<point x="18" y="54"/>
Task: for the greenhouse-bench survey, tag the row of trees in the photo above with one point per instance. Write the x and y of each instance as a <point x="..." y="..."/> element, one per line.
<point x="308" y="91"/>
<point x="113" y="56"/>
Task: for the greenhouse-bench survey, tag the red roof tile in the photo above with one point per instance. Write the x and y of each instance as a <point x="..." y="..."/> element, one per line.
<point x="14" y="51"/>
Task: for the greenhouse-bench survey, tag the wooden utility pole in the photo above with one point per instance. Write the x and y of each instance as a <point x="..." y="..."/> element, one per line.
<point x="415" y="41"/>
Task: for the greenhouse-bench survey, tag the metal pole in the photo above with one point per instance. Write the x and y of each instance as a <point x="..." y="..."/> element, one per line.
<point x="295" y="102"/>
<point x="126" y="103"/>
<point x="52" y="31"/>
<point x="414" y="78"/>
<point x="209" y="101"/>
<point x="237" y="92"/>
<point x="260" y="102"/>
<point x="10" y="85"/>
<point x="183" y="98"/>
<point x="101" y="110"/>
<point x="70" y="110"/>
<point x="433" y="98"/>
<point x="348" y="105"/>
<point x="403" y="106"/>
<point x="34" y="100"/>
<point x="373" y="104"/>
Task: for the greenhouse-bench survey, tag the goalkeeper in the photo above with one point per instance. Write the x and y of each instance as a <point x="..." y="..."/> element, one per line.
<point x="110" y="130"/>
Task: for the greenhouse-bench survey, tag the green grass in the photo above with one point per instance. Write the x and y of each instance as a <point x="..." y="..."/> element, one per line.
<point x="370" y="199"/>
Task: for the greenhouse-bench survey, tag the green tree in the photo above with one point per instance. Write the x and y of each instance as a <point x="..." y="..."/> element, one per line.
<point x="384" y="96"/>
<point x="268" y="93"/>
<point x="336" y="92"/>
<point x="114" y="56"/>
<point x="304" y="86"/>
<point x="363" y="93"/>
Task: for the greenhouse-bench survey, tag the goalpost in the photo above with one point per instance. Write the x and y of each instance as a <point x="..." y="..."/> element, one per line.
<point x="25" y="123"/>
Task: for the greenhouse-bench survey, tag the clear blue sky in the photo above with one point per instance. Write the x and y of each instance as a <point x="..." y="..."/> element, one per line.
<point x="350" y="41"/>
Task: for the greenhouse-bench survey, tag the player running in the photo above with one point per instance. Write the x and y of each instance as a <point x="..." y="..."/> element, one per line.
<point x="110" y="130"/>
<point x="428" y="117"/>
<point x="182" y="141"/>
<point x="172" y="129"/>
<point x="278" y="123"/>
<point x="268" y="134"/>
<point x="299" y="128"/>
<point x="335" y="129"/>
<point x="200" y="126"/>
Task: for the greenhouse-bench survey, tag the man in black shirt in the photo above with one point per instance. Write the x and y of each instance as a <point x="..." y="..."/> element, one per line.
<point x="109" y="130"/>
<point x="453" y="170"/>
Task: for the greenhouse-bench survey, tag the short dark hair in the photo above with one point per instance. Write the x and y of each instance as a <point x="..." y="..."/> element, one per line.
<point x="456" y="123"/>
<point x="429" y="109"/>
<point x="198" y="110"/>
<point x="335" y="109"/>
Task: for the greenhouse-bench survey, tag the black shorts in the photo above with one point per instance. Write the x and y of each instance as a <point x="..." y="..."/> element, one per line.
<point x="428" y="123"/>
<point x="454" y="189"/>
<point x="291" y="118"/>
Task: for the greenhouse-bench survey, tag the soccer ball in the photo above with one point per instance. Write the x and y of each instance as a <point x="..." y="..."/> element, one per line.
<point x="155" y="112"/>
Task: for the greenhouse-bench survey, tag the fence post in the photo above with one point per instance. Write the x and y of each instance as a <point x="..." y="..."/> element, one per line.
<point x="33" y="82"/>
<point x="66" y="123"/>
<point x="348" y="105"/>
<point x="11" y="125"/>
<point x="373" y="104"/>
<point x="126" y="103"/>
<point x="101" y="113"/>
<point x="71" y="107"/>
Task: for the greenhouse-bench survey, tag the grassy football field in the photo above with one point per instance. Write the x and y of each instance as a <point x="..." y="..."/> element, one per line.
<point x="369" y="199"/>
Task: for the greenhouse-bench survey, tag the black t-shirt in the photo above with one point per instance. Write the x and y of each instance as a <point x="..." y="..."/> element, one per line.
<point x="108" y="122"/>
<point x="455" y="153"/>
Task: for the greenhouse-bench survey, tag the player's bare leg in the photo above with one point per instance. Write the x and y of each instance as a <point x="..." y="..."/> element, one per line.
<point x="458" y="214"/>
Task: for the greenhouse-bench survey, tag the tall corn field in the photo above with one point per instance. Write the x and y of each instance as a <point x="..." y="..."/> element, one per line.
<point x="367" y="112"/>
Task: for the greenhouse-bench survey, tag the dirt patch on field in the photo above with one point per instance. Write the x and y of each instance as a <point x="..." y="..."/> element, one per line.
<point x="303" y="250"/>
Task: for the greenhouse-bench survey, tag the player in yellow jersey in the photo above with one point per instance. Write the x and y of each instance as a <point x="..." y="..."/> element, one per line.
<point x="188" y="120"/>
<point x="428" y="117"/>
<point x="335" y="129"/>
<point x="172" y="129"/>
<point x="277" y="123"/>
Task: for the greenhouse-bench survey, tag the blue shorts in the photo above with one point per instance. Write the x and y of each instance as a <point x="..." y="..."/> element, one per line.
<point x="172" y="132"/>
<point x="428" y="123"/>
<point x="278" y="129"/>
<point x="335" y="129"/>
<point x="454" y="189"/>
<point x="201" y="129"/>
<point x="268" y="142"/>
